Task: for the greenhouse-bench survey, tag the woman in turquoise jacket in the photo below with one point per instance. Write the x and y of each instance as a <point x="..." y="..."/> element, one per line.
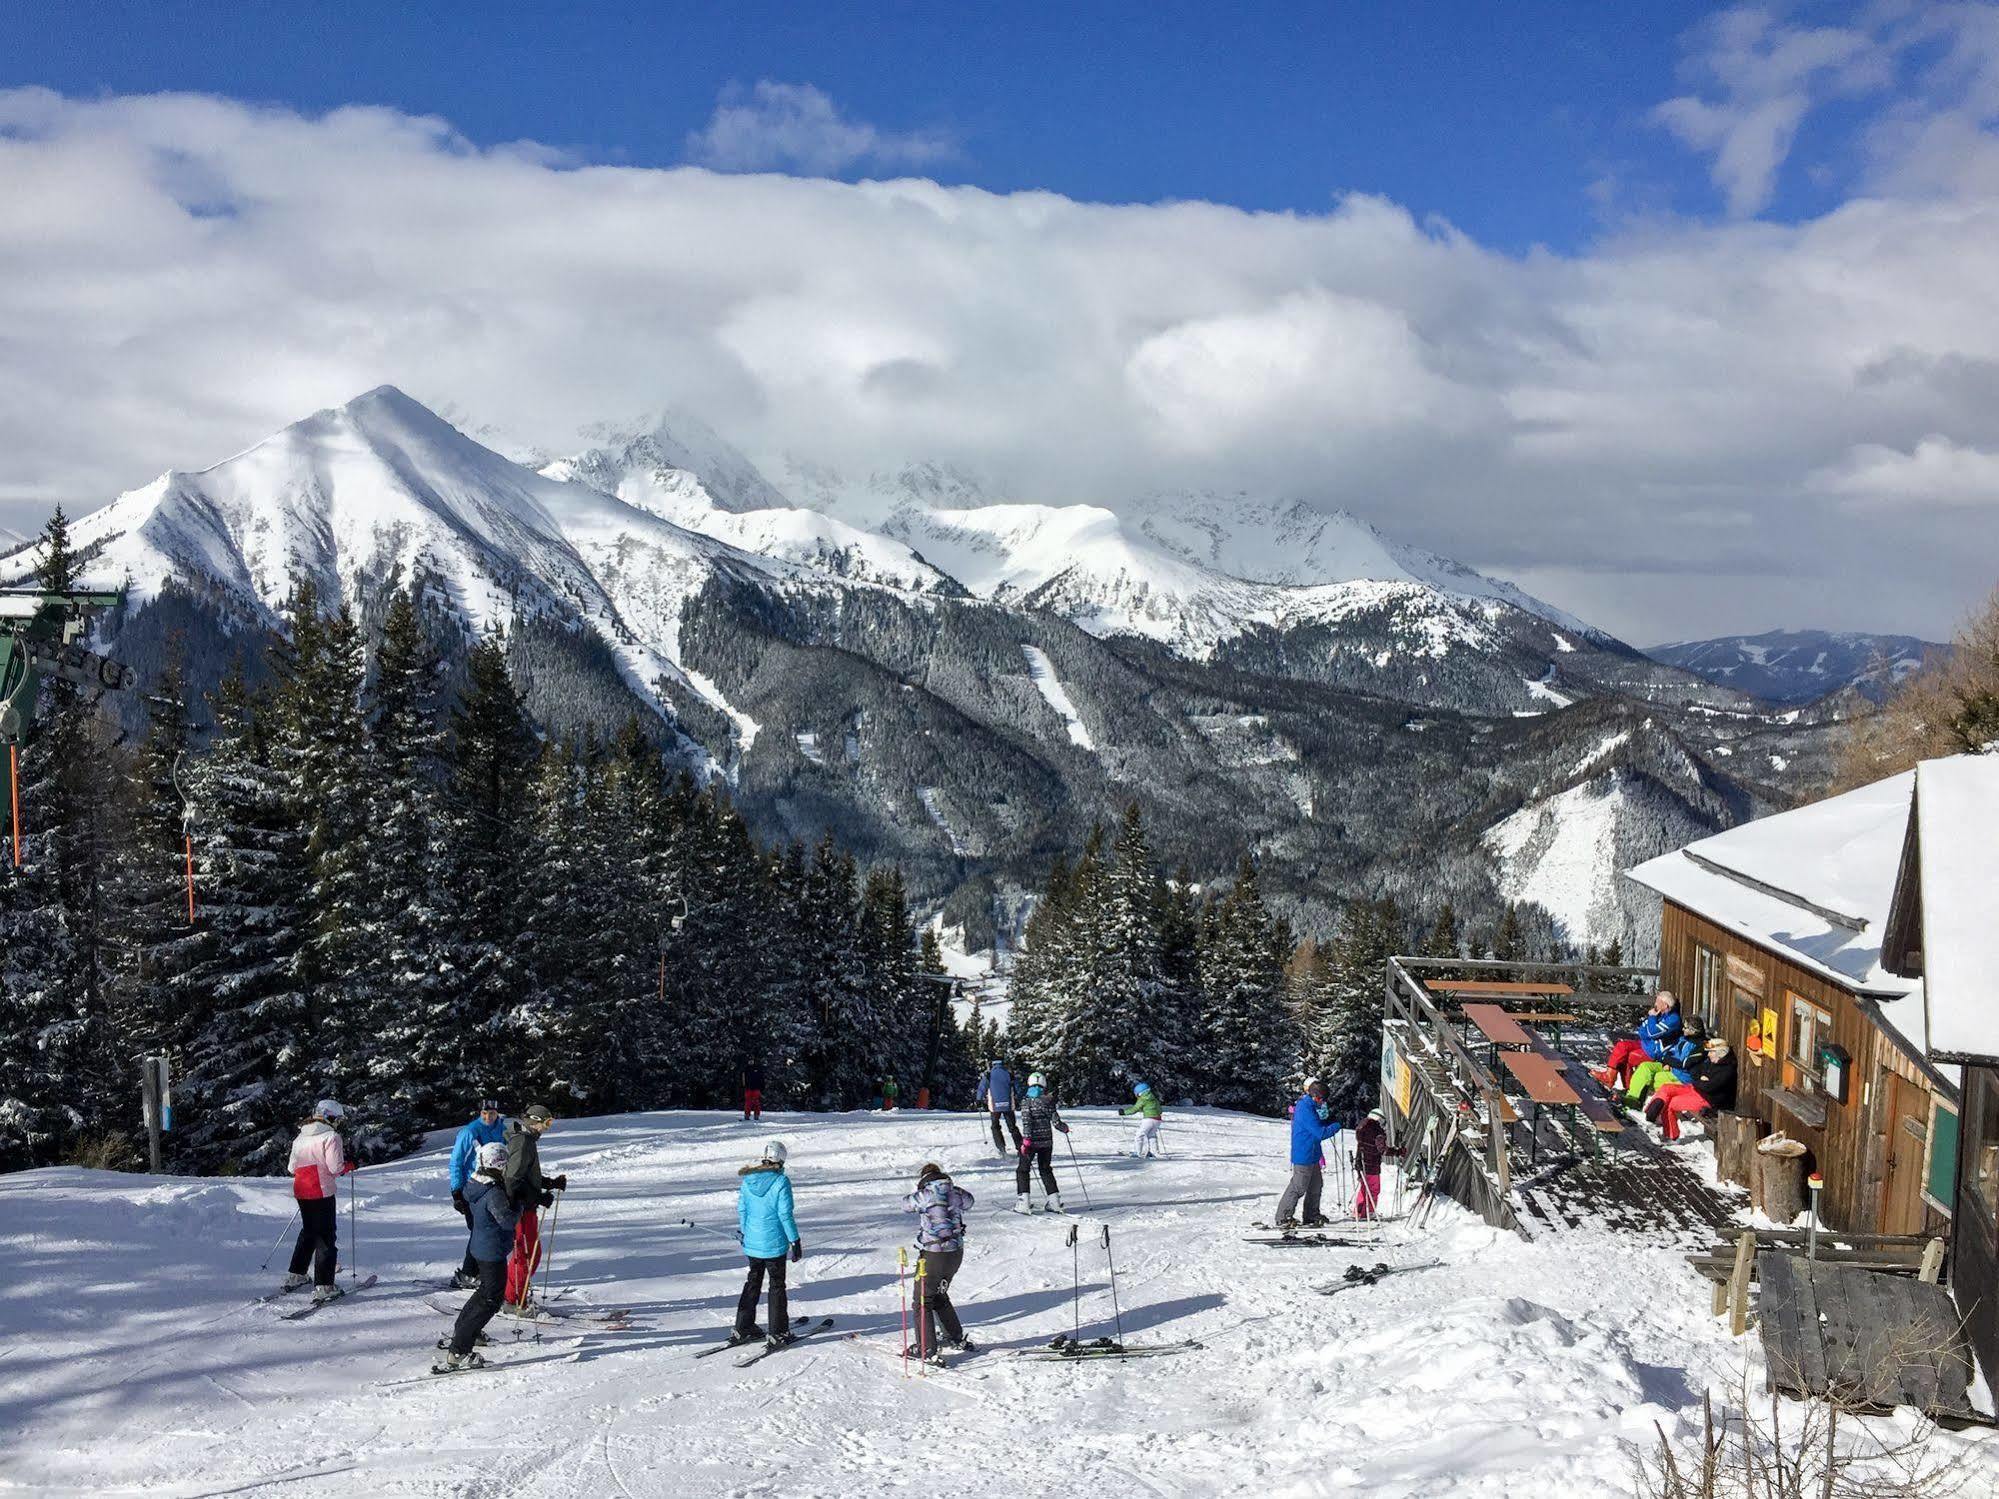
<point x="769" y="1232"/>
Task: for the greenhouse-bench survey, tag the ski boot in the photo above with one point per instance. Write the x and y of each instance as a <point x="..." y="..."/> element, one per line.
<point x="779" y="1340"/>
<point x="1286" y="1225"/>
<point x="1322" y="1221"/>
<point x="458" y="1363"/>
<point x="1055" y="1202"/>
<point x="961" y="1345"/>
<point x="294" y="1281"/>
<point x="1022" y="1205"/>
<point x="478" y="1339"/>
<point x="460" y="1281"/>
<point x="934" y="1358"/>
<point x="323" y="1294"/>
<point x="737" y="1338"/>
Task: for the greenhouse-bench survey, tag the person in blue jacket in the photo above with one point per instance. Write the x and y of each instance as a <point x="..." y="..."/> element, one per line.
<point x="493" y="1216"/>
<point x="996" y="1093"/>
<point x="769" y="1232"/>
<point x="1655" y="1033"/>
<point x="1675" y="1065"/>
<point x="1312" y="1125"/>
<point x="490" y="1128"/>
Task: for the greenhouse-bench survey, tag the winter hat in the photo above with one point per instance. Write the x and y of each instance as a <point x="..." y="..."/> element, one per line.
<point x="775" y="1153"/>
<point x="490" y="1106"/>
<point x="1375" y="1115"/>
<point x="1311" y="1083"/>
<point x="1036" y="1080"/>
<point x="492" y="1156"/>
<point x="931" y="1172"/>
<point x="538" y="1113"/>
<point x="1141" y="1088"/>
<point x="328" y="1109"/>
<point x="1717" y="1046"/>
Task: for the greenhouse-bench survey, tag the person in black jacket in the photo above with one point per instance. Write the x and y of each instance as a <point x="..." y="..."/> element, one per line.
<point x="527" y="1189"/>
<point x="1713" y="1087"/>
<point x="753" y="1090"/>
<point x="1039" y="1119"/>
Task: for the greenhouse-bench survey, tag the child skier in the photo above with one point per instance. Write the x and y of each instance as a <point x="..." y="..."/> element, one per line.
<point x="493" y="1217"/>
<point x="488" y="1128"/>
<point x="940" y="1207"/>
<point x="528" y="1190"/>
<point x="889" y="1092"/>
<point x="996" y="1093"/>
<point x="1312" y="1125"/>
<point x="1145" y="1103"/>
<point x="1370" y="1144"/>
<point x="318" y="1160"/>
<point x="753" y="1091"/>
<point x="769" y="1232"/>
<point x="1039" y="1119"/>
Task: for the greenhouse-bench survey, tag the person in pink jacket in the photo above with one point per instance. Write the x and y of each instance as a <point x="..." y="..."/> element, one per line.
<point x="318" y="1161"/>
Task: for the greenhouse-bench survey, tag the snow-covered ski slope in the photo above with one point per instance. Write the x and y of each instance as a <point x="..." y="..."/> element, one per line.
<point x="130" y="1362"/>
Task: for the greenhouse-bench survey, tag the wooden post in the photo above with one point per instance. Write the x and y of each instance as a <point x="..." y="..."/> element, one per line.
<point x="149" y="1084"/>
<point x="1735" y="1147"/>
<point x="1932" y="1265"/>
<point x="1738" y="1284"/>
<point x="1782" y="1178"/>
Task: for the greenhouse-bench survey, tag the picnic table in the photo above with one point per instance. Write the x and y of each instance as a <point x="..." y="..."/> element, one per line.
<point x="1498" y="1027"/>
<point x="1544" y="1076"/>
<point x="1498" y="986"/>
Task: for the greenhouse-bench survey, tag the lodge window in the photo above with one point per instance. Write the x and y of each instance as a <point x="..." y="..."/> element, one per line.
<point x="1981" y="1176"/>
<point x="1809" y="1024"/>
<point x="1940" y="1158"/>
<point x="1708" y="970"/>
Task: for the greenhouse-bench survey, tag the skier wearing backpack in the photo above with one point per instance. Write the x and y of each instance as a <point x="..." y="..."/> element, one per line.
<point x="493" y="1217"/>
<point x="940" y="1206"/>
<point x="1312" y="1125"/>
<point x="769" y="1231"/>
<point x="488" y="1128"/>
<point x="996" y="1093"/>
<point x="1145" y="1103"/>
<point x="318" y="1161"/>
<point x="528" y="1190"/>
<point x="1039" y="1119"/>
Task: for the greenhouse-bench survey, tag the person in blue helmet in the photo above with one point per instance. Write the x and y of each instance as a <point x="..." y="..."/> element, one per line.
<point x="1039" y="1120"/>
<point x="1312" y="1125"/>
<point x="1145" y="1103"/>
<point x="488" y="1127"/>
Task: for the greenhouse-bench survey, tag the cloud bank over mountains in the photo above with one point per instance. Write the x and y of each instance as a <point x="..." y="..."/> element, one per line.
<point x="1690" y="427"/>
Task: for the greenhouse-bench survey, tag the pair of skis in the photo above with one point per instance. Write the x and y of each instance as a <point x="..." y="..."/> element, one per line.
<point x="767" y="1347"/>
<point x="1070" y="1350"/>
<point x="1367" y="1275"/>
<point x="309" y="1308"/>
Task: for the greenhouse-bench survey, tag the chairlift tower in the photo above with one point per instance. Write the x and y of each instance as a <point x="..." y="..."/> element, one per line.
<point x="40" y="635"/>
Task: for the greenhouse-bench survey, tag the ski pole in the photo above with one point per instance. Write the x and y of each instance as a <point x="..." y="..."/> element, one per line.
<point x="703" y="1228"/>
<point x="353" y="1230"/>
<point x="554" y="1219"/>
<point x="902" y="1298"/>
<point x="1112" y="1263"/>
<point x="281" y="1237"/>
<point x="922" y="1316"/>
<point x="1077" y="1167"/>
<point x="1075" y="1287"/>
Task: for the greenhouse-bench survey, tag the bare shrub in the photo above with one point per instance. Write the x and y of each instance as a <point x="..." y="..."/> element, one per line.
<point x="104" y="1152"/>
<point x="1949" y="707"/>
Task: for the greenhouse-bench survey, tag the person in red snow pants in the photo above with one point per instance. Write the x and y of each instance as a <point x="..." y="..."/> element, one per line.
<point x="528" y="1190"/>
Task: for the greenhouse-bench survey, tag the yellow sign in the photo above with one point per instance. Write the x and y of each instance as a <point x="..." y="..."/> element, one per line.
<point x="1404" y="1083"/>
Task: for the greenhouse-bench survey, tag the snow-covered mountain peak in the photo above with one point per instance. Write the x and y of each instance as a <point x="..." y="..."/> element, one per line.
<point x="678" y="443"/>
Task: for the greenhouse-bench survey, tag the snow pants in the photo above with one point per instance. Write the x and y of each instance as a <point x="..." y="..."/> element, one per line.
<point x="1147" y="1142"/>
<point x="317" y="1219"/>
<point x="753" y="1284"/>
<point x="1645" y="1077"/>
<point x="525" y="1259"/>
<point x="470" y="1267"/>
<point x="1043" y="1157"/>
<point x="935" y="1268"/>
<point x="1625" y="1055"/>
<point x="1674" y="1100"/>
<point x="1306" y="1182"/>
<point x="1367" y="1199"/>
<point x="753" y="1103"/>
<point x="1012" y="1124"/>
<point x="481" y="1306"/>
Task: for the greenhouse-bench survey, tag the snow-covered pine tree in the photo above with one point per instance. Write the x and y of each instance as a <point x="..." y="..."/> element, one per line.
<point x="839" y="1069"/>
<point x="1043" y="949"/>
<point x="1349" y="1044"/>
<point x="905" y="1009"/>
<point x="1135" y="1043"/>
<point x="551" y="1029"/>
<point x="1181" y="1003"/>
<point x="1251" y="1045"/>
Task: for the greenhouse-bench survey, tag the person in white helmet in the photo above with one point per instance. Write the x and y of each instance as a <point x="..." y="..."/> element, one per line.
<point x="769" y="1231"/>
<point x="318" y="1161"/>
<point x="1039" y="1119"/>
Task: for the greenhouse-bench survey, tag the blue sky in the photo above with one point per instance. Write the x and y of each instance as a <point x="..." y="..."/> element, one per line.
<point x="1523" y="123"/>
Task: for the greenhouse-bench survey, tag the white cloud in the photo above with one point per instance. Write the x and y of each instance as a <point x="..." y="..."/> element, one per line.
<point x="796" y="127"/>
<point x="180" y="276"/>
<point x="1936" y="471"/>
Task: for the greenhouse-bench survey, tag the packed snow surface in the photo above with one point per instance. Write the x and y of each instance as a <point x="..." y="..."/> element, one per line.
<point x="1957" y="811"/>
<point x="1056" y="695"/>
<point x="132" y="1362"/>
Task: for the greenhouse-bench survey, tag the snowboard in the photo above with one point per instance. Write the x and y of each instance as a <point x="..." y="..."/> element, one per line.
<point x="311" y="1307"/>
<point x="796" y="1338"/>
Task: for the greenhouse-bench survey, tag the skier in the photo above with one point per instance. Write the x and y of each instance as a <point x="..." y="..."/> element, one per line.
<point x="1370" y="1144"/>
<point x="1675" y="1066"/>
<point x="940" y="1206"/>
<point x="493" y="1217"/>
<point x="318" y="1160"/>
<point x="1658" y="1027"/>
<point x="1145" y="1103"/>
<point x="889" y="1091"/>
<point x="1312" y="1125"/>
<point x="1713" y="1087"/>
<point x="996" y="1093"/>
<point x="487" y="1129"/>
<point x="753" y="1091"/>
<point x="769" y="1232"/>
<point x="528" y="1190"/>
<point x="1040" y="1119"/>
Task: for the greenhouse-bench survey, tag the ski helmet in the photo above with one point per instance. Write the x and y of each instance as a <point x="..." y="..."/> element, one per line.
<point x="1141" y="1088"/>
<point x="1036" y="1080"/>
<point x="328" y="1109"/>
<point x="492" y="1156"/>
<point x="775" y="1153"/>
<point x="1311" y="1083"/>
<point x="1375" y="1115"/>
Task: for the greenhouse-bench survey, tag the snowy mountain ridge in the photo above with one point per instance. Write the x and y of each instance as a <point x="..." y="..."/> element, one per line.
<point x="1801" y="666"/>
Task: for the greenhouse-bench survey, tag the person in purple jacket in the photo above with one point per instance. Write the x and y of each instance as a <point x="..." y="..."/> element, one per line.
<point x="939" y="1205"/>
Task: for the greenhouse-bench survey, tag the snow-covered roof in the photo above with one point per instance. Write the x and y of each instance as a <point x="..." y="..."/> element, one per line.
<point x="1813" y="884"/>
<point x="1957" y="833"/>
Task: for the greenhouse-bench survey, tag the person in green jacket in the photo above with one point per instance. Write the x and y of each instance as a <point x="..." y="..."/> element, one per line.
<point x="889" y="1092"/>
<point x="1145" y="1103"/>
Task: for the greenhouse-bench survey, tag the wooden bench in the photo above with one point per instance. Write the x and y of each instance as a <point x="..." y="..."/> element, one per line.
<point x="1496" y="986"/>
<point x="1589" y="1103"/>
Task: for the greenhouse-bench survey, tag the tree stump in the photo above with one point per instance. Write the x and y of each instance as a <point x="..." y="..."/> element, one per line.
<point x="1735" y="1137"/>
<point x="1780" y="1179"/>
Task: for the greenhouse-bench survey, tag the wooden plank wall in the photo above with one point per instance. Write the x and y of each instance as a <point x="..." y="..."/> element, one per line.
<point x="1848" y="1150"/>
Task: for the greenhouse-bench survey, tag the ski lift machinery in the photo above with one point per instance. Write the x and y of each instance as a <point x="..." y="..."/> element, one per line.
<point x="40" y="635"/>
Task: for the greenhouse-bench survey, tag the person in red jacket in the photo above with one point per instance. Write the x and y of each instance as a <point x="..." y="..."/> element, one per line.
<point x="1370" y="1145"/>
<point x="318" y="1161"/>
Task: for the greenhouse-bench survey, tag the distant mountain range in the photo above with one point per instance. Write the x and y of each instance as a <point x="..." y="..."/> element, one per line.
<point x="963" y="682"/>
<point x="1802" y="666"/>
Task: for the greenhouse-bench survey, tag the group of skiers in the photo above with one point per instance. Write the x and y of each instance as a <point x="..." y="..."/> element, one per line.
<point x="1312" y="1127"/>
<point x="1670" y="1066"/>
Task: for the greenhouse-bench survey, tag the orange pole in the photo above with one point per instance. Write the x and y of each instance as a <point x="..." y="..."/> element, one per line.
<point x="187" y="843"/>
<point x="14" y="785"/>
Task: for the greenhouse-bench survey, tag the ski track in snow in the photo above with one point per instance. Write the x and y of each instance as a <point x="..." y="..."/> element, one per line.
<point x="1056" y="695"/>
<point x="933" y="804"/>
<point x="1513" y="1369"/>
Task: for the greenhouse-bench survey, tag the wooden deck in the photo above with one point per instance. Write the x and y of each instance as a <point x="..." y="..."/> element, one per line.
<point x="1641" y="1188"/>
<point x="1860" y="1336"/>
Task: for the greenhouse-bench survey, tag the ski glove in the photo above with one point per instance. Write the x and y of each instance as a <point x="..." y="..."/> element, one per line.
<point x="548" y="1199"/>
<point x="797" y="1250"/>
<point x="458" y="1201"/>
<point x="560" y="1183"/>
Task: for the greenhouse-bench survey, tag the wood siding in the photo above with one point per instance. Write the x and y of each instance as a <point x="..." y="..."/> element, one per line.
<point x="1851" y="1150"/>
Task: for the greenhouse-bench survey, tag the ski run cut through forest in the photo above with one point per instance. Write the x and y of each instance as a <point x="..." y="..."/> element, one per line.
<point x="136" y="1358"/>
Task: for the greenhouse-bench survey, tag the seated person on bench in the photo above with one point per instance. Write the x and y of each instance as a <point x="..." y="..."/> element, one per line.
<point x="1649" y="1044"/>
<point x="1676" y="1066"/>
<point x="1713" y="1087"/>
